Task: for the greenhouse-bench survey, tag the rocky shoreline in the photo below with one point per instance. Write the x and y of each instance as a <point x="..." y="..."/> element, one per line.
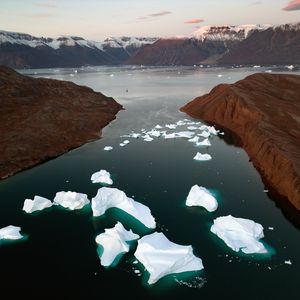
<point x="263" y="110"/>
<point x="44" y="118"/>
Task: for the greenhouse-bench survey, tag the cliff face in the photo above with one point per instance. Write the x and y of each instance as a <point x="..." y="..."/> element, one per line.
<point x="43" y="118"/>
<point x="276" y="45"/>
<point x="264" y="111"/>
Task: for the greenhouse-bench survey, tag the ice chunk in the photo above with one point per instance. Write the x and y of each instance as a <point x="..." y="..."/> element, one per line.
<point x="212" y="130"/>
<point x="171" y="126"/>
<point x="147" y="138"/>
<point x="38" y="203"/>
<point x="204" y="134"/>
<point x="122" y="144"/>
<point x="126" y="142"/>
<point x="202" y="157"/>
<point x="288" y="262"/>
<point x="195" y="139"/>
<point x="290" y="67"/>
<point x="135" y="135"/>
<point x="170" y="135"/>
<point x="162" y="257"/>
<point x="71" y="200"/>
<point x="107" y="148"/>
<point x="192" y="128"/>
<point x="102" y="176"/>
<point x="154" y="133"/>
<point x="112" y="197"/>
<point x="158" y="127"/>
<point x="180" y="123"/>
<point x="185" y="134"/>
<point x="200" y="196"/>
<point x="10" y="233"/>
<point x="239" y="234"/>
<point x="113" y="241"/>
<point x="204" y="143"/>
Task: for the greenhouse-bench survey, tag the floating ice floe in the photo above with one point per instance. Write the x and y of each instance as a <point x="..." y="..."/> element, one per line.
<point x="185" y="134"/>
<point x="290" y="67"/>
<point x="102" y="176"/>
<point x="202" y="157"/>
<point x="10" y="233"/>
<point x="112" y="197"/>
<point x="38" y="203"/>
<point x="107" y="148"/>
<point x="124" y="143"/>
<point x="135" y="135"/>
<point x="200" y="196"/>
<point x="239" y="234"/>
<point x="113" y="241"/>
<point x="170" y="135"/>
<point x="158" y="127"/>
<point x="192" y="128"/>
<point x="180" y="123"/>
<point x="147" y="138"/>
<point x="171" y="126"/>
<point x="154" y="133"/>
<point x="195" y="139"/>
<point x="204" y="143"/>
<point x="212" y="130"/>
<point x="162" y="257"/>
<point x="204" y="134"/>
<point x="288" y="262"/>
<point x="71" y="200"/>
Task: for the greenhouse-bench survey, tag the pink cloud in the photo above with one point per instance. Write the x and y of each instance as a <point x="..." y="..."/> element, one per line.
<point x="293" y="5"/>
<point x="193" y="21"/>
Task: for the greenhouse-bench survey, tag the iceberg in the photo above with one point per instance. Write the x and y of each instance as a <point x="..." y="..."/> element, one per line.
<point x="107" y="148"/>
<point x="212" y="130"/>
<point x="10" y="233"/>
<point x="239" y="234"/>
<point x="38" y="203"/>
<point x="200" y="196"/>
<point x="147" y="138"/>
<point x="204" y="134"/>
<point x="162" y="257"/>
<point x="202" y="157"/>
<point x="204" y="143"/>
<point x="192" y="128"/>
<point x="113" y="241"/>
<point x="102" y="176"/>
<point x="154" y="133"/>
<point x="171" y="126"/>
<point x="112" y="197"/>
<point x="158" y="127"/>
<point x="185" y="134"/>
<point x="71" y="200"/>
<point x="195" y="139"/>
<point x="169" y="136"/>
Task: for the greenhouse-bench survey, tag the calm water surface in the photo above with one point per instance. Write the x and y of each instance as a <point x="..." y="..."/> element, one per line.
<point x="59" y="255"/>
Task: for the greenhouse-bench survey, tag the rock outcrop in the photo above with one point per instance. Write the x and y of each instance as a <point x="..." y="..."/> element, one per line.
<point x="44" y="118"/>
<point x="263" y="110"/>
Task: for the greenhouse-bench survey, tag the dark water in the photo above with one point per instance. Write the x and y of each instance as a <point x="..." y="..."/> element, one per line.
<point x="59" y="256"/>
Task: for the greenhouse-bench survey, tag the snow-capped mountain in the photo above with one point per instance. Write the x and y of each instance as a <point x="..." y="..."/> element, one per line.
<point x="23" y="50"/>
<point x="227" y="32"/>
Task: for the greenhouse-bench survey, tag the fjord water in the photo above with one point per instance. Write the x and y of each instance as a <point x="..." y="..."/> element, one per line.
<point x="59" y="255"/>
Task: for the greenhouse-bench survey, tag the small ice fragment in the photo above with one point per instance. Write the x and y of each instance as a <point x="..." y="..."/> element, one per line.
<point x="113" y="241"/>
<point x="162" y="257"/>
<point x="271" y="228"/>
<point x="112" y="197"/>
<point x="38" y="203"/>
<point x="185" y="134"/>
<point x="220" y="75"/>
<point x="154" y="133"/>
<point x="202" y="157"/>
<point x="111" y="75"/>
<point x="107" y="148"/>
<point x="204" y="143"/>
<point x="158" y="127"/>
<point x="147" y="138"/>
<point x="135" y="262"/>
<point x="126" y="142"/>
<point x="10" y="233"/>
<point x="266" y="191"/>
<point x="290" y="67"/>
<point x="135" y="135"/>
<point x="122" y="144"/>
<point x="180" y="123"/>
<point x="212" y="130"/>
<point x="204" y="134"/>
<point x="239" y="234"/>
<point x="170" y="126"/>
<point x="200" y="196"/>
<point x="102" y="176"/>
<point x="195" y="139"/>
<point x="71" y="200"/>
<point x="288" y="262"/>
<point x="170" y="135"/>
<point x="137" y="271"/>
<point x="192" y="128"/>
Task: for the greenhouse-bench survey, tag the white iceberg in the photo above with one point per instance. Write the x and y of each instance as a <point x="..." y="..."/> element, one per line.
<point x="171" y="126"/>
<point x="192" y="128"/>
<point x="71" y="200"/>
<point x="112" y="197"/>
<point x="202" y="157"/>
<point x="195" y="139"/>
<point x="180" y="123"/>
<point x="102" y="176"/>
<point x="107" y="148"/>
<point x="10" y="233"/>
<point x="200" y="196"/>
<point x="154" y="133"/>
<point x="204" y="134"/>
<point x="158" y="127"/>
<point x="170" y="135"/>
<point x="212" y="130"/>
<point x="38" y="203"/>
<point x="162" y="257"/>
<point x="239" y="234"/>
<point x="126" y="142"/>
<point x="135" y="135"/>
<point x="113" y="241"/>
<point x="185" y="134"/>
<point x="147" y="138"/>
<point x="204" y="143"/>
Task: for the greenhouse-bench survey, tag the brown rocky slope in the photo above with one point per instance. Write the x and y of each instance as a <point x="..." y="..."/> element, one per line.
<point x="263" y="110"/>
<point x="43" y="118"/>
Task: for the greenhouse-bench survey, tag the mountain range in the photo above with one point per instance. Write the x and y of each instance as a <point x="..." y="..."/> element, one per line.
<point x="218" y="45"/>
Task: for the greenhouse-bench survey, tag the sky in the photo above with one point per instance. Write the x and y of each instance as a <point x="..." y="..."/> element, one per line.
<point x="99" y="19"/>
